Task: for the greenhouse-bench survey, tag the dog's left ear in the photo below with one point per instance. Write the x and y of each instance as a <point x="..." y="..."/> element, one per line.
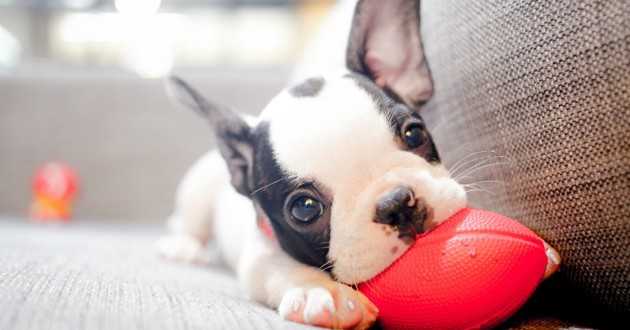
<point x="385" y="45"/>
<point x="234" y="136"/>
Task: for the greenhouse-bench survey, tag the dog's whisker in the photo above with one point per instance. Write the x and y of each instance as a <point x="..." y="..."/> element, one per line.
<point x="267" y="186"/>
<point x="329" y="262"/>
<point x="327" y="265"/>
<point x="478" y="168"/>
<point x="499" y="182"/>
<point x="293" y="179"/>
<point x="473" y="155"/>
<point x="472" y="186"/>
<point x="479" y="189"/>
<point x="482" y="166"/>
<point x="323" y="246"/>
<point x="471" y="163"/>
<point x="466" y="158"/>
<point x="476" y="155"/>
<point x="471" y="189"/>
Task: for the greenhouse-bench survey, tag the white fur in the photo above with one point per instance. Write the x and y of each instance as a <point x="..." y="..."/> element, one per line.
<point x="182" y="247"/>
<point x="342" y="140"/>
<point x="206" y="203"/>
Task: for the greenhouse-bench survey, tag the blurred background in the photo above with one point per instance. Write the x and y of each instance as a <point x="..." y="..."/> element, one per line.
<point x="80" y="83"/>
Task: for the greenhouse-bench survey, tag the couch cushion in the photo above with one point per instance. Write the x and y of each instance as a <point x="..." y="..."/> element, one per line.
<point x="532" y="105"/>
<point x="108" y="277"/>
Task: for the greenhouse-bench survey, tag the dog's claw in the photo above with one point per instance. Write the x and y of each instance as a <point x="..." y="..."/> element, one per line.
<point x="553" y="260"/>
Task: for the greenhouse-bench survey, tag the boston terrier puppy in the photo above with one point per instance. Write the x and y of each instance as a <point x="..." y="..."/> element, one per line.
<point x="329" y="185"/>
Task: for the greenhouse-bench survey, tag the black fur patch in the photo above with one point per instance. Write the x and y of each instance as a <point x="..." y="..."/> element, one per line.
<point x="306" y="243"/>
<point x="395" y="112"/>
<point x="308" y="88"/>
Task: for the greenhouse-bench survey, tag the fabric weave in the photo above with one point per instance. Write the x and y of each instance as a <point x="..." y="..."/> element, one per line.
<point x="532" y="110"/>
<point x="90" y="276"/>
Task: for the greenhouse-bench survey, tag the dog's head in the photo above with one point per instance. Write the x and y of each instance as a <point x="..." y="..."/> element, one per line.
<point x="344" y="167"/>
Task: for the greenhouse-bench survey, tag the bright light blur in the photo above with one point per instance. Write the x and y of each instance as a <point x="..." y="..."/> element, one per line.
<point x="137" y="7"/>
<point x="81" y="83"/>
<point x="150" y="45"/>
<point x="144" y="44"/>
<point x="9" y="49"/>
<point x="79" y="4"/>
<point x="152" y="37"/>
<point x="149" y="48"/>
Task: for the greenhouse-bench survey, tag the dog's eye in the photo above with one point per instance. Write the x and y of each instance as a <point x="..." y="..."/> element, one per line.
<point x="414" y="135"/>
<point x="306" y="209"/>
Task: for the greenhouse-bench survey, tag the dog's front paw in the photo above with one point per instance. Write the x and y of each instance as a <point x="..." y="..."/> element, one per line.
<point x="337" y="306"/>
<point x="183" y="248"/>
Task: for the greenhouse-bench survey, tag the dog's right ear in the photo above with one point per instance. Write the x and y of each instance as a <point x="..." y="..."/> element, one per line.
<point x="234" y="135"/>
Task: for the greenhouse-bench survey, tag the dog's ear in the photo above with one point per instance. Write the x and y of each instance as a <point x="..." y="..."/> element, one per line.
<point x="234" y="135"/>
<point x="385" y="45"/>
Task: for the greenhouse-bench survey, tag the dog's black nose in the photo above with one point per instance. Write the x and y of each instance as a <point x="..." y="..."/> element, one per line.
<point x="397" y="207"/>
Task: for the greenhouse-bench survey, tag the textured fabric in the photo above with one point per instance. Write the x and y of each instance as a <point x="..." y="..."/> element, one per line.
<point x="80" y="277"/>
<point x="532" y="109"/>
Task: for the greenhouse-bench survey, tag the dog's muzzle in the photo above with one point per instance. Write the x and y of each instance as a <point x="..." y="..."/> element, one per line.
<point x="400" y="209"/>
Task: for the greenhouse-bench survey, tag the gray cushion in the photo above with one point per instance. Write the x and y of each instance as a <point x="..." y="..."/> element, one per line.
<point x="108" y="277"/>
<point x="536" y="95"/>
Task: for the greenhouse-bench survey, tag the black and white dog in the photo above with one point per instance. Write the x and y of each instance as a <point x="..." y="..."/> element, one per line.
<point x="329" y="185"/>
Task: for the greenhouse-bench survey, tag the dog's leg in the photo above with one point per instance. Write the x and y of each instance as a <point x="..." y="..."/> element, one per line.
<point x="190" y="224"/>
<point x="300" y="293"/>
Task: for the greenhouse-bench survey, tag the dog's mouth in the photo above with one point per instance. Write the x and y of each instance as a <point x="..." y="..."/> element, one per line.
<point x="413" y="223"/>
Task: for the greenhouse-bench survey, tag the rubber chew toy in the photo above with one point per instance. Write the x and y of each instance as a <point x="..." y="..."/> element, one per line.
<point x="473" y="271"/>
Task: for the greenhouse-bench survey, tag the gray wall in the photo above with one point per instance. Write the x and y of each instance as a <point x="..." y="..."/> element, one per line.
<point x="129" y="144"/>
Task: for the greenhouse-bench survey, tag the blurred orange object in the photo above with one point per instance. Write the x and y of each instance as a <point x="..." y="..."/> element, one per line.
<point x="54" y="188"/>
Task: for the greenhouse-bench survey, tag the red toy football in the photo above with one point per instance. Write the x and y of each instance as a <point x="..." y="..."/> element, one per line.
<point x="473" y="271"/>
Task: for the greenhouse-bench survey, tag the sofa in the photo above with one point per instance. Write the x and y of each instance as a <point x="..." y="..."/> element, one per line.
<point x="531" y="110"/>
<point x="535" y="97"/>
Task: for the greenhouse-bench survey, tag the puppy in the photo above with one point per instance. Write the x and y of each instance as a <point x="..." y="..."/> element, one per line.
<point x="329" y="185"/>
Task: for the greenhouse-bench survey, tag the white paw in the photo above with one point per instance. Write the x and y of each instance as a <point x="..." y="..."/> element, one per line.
<point x="335" y="307"/>
<point x="292" y="302"/>
<point x="183" y="248"/>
